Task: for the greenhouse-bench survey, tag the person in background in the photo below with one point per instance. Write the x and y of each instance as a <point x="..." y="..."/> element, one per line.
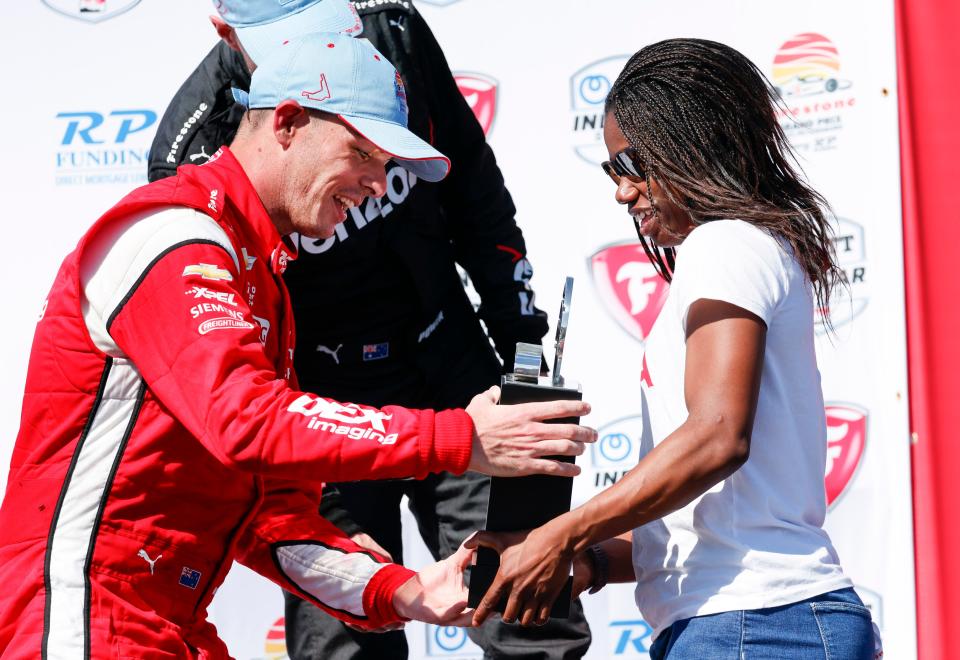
<point x="720" y="524"/>
<point x="163" y="433"/>
<point x="380" y="309"/>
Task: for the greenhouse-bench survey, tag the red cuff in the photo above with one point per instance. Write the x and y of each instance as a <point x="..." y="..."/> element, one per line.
<point x="378" y="595"/>
<point x="452" y="441"/>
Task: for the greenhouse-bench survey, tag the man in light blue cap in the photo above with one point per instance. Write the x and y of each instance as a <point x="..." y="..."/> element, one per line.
<point x="363" y="122"/>
<point x="184" y="441"/>
<point x="386" y="279"/>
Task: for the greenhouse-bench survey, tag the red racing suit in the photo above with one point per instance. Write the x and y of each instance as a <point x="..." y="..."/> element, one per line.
<point x="171" y="439"/>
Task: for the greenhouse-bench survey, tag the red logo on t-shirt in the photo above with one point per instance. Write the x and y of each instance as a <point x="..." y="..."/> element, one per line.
<point x="480" y="91"/>
<point x="846" y="440"/>
<point x="629" y="286"/>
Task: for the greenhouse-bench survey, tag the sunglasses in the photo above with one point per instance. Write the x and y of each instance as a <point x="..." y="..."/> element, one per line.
<point x="625" y="163"/>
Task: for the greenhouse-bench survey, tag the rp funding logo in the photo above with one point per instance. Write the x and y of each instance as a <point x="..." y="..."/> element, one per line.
<point x="806" y="73"/>
<point x="588" y="91"/>
<point x="99" y="147"/>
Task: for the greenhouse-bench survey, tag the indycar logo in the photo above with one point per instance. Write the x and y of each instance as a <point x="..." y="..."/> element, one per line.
<point x="352" y="417"/>
<point x="588" y="92"/>
<point x="208" y="272"/>
<point x="629" y="286"/>
<point x="846" y="441"/>
<point x="480" y="92"/>
<point x="209" y="294"/>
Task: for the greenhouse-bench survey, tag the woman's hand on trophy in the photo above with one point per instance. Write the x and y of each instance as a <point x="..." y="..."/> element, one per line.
<point x="437" y="594"/>
<point x="513" y="440"/>
<point x="534" y="566"/>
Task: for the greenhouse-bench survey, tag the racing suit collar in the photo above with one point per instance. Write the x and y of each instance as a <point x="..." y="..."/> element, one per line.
<point x="267" y="242"/>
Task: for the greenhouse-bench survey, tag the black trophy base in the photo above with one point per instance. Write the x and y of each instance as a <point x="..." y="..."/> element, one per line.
<point x="522" y="503"/>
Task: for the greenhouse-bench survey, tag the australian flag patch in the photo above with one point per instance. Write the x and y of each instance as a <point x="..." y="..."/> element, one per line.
<point x="189" y="578"/>
<point x="376" y="351"/>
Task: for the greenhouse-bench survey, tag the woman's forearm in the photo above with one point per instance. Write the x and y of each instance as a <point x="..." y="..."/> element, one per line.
<point x="686" y="464"/>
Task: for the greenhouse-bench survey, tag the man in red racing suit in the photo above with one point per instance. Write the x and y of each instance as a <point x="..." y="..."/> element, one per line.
<point x="163" y="436"/>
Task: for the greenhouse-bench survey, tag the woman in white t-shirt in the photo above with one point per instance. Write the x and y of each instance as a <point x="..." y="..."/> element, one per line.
<point x="720" y="523"/>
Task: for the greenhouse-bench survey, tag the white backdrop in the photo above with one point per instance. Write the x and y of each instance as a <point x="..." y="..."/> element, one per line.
<point x="82" y="93"/>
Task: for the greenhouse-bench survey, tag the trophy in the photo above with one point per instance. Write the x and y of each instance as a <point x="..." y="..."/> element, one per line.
<point x="521" y="503"/>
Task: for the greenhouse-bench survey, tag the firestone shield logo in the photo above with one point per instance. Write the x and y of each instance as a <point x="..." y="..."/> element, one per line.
<point x="480" y="92"/>
<point x="629" y="286"/>
<point x="588" y="90"/>
<point x="806" y="73"/>
<point x="91" y="11"/>
<point x="846" y="442"/>
<point x="849" y="302"/>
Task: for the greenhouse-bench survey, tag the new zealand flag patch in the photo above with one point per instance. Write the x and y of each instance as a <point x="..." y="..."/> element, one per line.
<point x="189" y="578"/>
<point x="376" y="351"/>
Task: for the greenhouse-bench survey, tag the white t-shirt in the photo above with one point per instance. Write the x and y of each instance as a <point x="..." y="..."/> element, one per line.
<point x="755" y="539"/>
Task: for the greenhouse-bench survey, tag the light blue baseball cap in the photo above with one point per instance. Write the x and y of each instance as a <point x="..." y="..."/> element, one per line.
<point x="348" y="78"/>
<point x="262" y="25"/>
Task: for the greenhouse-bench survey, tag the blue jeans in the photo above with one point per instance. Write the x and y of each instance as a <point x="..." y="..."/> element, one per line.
<point x="832" y="626"/>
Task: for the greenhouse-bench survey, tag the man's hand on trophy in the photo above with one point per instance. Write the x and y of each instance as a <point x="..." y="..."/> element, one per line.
<point x="512" y="441"/>
<point x="437" y="594"/>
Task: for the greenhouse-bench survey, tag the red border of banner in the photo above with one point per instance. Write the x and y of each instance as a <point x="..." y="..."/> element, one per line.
<point x="927" y="56"/>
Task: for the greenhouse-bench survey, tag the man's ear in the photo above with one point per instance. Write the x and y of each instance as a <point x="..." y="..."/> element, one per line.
<point x="225" y="32"/>
<point x="288" y="117"/>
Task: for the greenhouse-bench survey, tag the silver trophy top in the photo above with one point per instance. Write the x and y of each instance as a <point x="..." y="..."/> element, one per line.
<point x="562" y="324"/>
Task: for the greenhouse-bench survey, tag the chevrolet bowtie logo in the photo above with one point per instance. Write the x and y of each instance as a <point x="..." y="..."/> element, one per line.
<point x="208" y="272"/>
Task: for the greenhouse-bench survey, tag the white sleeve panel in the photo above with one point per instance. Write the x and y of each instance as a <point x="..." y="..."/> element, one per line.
<point x="334" y="577"/>
<point x="119" y="256"/>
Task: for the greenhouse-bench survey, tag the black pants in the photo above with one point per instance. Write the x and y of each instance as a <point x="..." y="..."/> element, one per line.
<point x="447" y="509"/>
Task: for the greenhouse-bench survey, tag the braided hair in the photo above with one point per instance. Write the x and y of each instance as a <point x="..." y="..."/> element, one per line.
<point x="702" y="117"/>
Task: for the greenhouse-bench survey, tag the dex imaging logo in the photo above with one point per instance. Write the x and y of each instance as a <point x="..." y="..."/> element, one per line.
<point x="91" y="11"/>
<point x="480" y="92"/>
<point x="846" y="442"/>
<point x="450" y="642"/>
<point x="104" y="147"/>
<point x="629" y="286"/>
<point x="806" y="72"/>
<point x="588" y="91"/>
<point x="848" y="303"/>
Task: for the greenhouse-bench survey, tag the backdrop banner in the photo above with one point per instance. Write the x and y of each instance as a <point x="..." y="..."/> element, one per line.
<point x="87" y="81"/>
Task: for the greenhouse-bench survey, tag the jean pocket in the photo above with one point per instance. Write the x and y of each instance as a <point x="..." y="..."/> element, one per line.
<point x="846" y="630"/>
